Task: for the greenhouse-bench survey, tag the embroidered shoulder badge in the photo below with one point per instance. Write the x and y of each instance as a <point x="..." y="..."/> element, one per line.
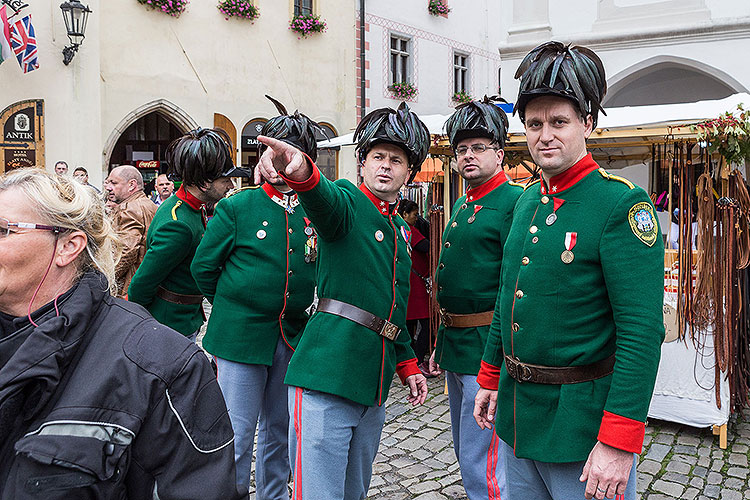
<point x="643" y="222"/>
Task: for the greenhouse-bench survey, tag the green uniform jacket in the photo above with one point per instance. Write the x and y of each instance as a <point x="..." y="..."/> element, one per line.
<point x="607" y="300"/>
<point x="468" y="273"/>
<point x="363" y="260"/>
<point x="251" y="266"/>
<point x="173" y="236"/>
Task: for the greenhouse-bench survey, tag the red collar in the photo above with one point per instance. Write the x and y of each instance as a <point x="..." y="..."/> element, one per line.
<point x="570" y="177"/>
<point x="381" y="205"/>
<point x="473" y="194"/>
<point x="188" y="198"/>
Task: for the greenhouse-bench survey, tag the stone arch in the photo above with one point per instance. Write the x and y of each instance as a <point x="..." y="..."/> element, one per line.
<point x="709" y="81"/>
<point x="170" y="111"/>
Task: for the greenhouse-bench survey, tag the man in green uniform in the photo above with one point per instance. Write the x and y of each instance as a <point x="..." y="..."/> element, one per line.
<point x="259" y="236"/>
<point x="467" y="280"/>
<point x="346" y="357"/>
<point x="576" y="336"/>
<point x="163" y="283"/>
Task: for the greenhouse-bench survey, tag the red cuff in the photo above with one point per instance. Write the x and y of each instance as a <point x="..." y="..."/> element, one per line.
<point x="622" y="432"/>
<point x="489" y="376"/>
<point x="308" y="183"/>
<point x="407" y="369"/>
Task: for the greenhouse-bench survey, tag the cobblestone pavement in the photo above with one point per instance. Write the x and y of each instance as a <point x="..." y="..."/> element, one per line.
<point x="416" y="459"/>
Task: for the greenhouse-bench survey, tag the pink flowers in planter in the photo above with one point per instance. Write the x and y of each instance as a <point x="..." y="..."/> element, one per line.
<point x="239" y="8"/>
<point x="461" y="97"/>
<point x="403" y="91"/>
<point x="172" y="7"/>
<point x="306" y="24"/>
<point x="438" y="8"/>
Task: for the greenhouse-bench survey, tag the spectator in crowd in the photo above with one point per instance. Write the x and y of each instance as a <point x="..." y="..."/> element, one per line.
<point x="97" y="399"/>
<point x="163" y="283"/>
<point x="61" y="168"/>
<point x="418" y="308"/>
<point x="132" y="218"/>
<point x="259" y="236"/>
<point x="164" y="189"/>
<point x="82" y="175"/>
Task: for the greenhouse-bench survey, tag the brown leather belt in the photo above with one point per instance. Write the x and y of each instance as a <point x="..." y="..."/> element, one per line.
<point x="465" y="320"/>
<point x="178" y="298"/>
<point x="525" y="372"/>
<point x="360" y="316"/>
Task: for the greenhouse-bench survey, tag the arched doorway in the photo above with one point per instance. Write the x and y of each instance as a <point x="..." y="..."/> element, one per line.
<point x="669" y="80"/>
<point x="144" y="144"/>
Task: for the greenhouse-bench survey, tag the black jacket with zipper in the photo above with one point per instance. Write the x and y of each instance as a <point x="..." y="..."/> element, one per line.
<point x="99" y="401"/>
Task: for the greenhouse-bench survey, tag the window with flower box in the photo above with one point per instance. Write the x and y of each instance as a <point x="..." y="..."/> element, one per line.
<point x="400" y="68"/>
<point x="460" y="72"/>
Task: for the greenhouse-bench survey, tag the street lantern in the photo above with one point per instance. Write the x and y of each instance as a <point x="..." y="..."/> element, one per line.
<point x="75" y="15"/>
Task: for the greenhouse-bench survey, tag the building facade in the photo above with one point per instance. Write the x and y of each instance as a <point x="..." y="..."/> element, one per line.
<point x="142" y="77"/>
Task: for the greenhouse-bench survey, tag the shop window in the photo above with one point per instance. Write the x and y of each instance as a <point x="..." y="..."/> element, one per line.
<point x="303" y="7"/>
<point x="249" y="145"/>
<point x="400" y="69"/>
<point x="460" y="72"/>
<point x="328" y="158"/>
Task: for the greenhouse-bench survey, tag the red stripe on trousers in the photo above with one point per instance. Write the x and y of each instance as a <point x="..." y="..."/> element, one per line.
<point x="297" y="494"/>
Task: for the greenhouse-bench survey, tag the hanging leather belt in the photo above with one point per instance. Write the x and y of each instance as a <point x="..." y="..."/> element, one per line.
<point x="378" y="325"/>
<point x="178" y="298"/>
<point x="525" y="372"/>
<point x="465" y="320"/>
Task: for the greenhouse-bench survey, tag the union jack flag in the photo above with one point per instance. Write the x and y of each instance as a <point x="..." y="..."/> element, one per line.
<point x="23" y="43"/>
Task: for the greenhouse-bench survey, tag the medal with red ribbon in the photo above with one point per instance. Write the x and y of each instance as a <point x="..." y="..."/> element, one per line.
<point x="473" y="216"/>
<point x="570" y="241"/>
<point x="556" y="203"/>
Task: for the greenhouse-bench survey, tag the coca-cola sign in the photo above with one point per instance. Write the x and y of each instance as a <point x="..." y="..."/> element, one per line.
<point x="150" y="164"/>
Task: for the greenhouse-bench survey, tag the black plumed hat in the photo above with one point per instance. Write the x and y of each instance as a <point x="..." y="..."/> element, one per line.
<point x="478" y="119"/>
<point x="296" y="129"/>
<point x="401" y="128"/>
<point x="573" y="72"/>
<point x="200" y="157"/>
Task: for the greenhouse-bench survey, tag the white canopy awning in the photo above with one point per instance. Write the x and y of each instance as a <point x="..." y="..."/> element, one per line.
<point x="625" y="117"/>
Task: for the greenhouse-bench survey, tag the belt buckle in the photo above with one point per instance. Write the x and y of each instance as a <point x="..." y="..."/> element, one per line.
<point x="445" y="318"/>
<point x="389" y="330"/>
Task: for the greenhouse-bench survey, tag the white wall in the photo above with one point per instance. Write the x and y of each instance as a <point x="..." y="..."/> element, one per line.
<point x="71" y="94"/>
<point x="199" y="62"/>
<point x="469" y="28"/>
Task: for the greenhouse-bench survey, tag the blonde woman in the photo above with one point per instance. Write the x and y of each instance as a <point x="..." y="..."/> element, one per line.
<point x="97" y="399"/>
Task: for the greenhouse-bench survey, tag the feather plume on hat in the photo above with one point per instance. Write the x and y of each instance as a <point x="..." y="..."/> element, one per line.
<point x="478" y="119"/>
<point x="296" y="129"/>
<point x="573" y="72"/>
<point x="401" y="128"/>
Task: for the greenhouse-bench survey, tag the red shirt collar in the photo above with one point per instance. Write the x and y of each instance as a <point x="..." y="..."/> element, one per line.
<point x="188" y="198"/>
<point x="473" y="194"/>
<point x="382" y="205"/>
<point x="570" y="177"/>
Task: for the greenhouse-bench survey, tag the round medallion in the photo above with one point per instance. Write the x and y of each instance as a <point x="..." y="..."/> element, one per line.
<point x="545" y="199"/>
<point x="379" y="235"/>
<point x="567" y="257"/>
<point x="260" y="234"/>
<point x="533" y="229"/>
<point x="551" y="218"/>
<point x="265" y="222"/>
<point x="309" y="231"/>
